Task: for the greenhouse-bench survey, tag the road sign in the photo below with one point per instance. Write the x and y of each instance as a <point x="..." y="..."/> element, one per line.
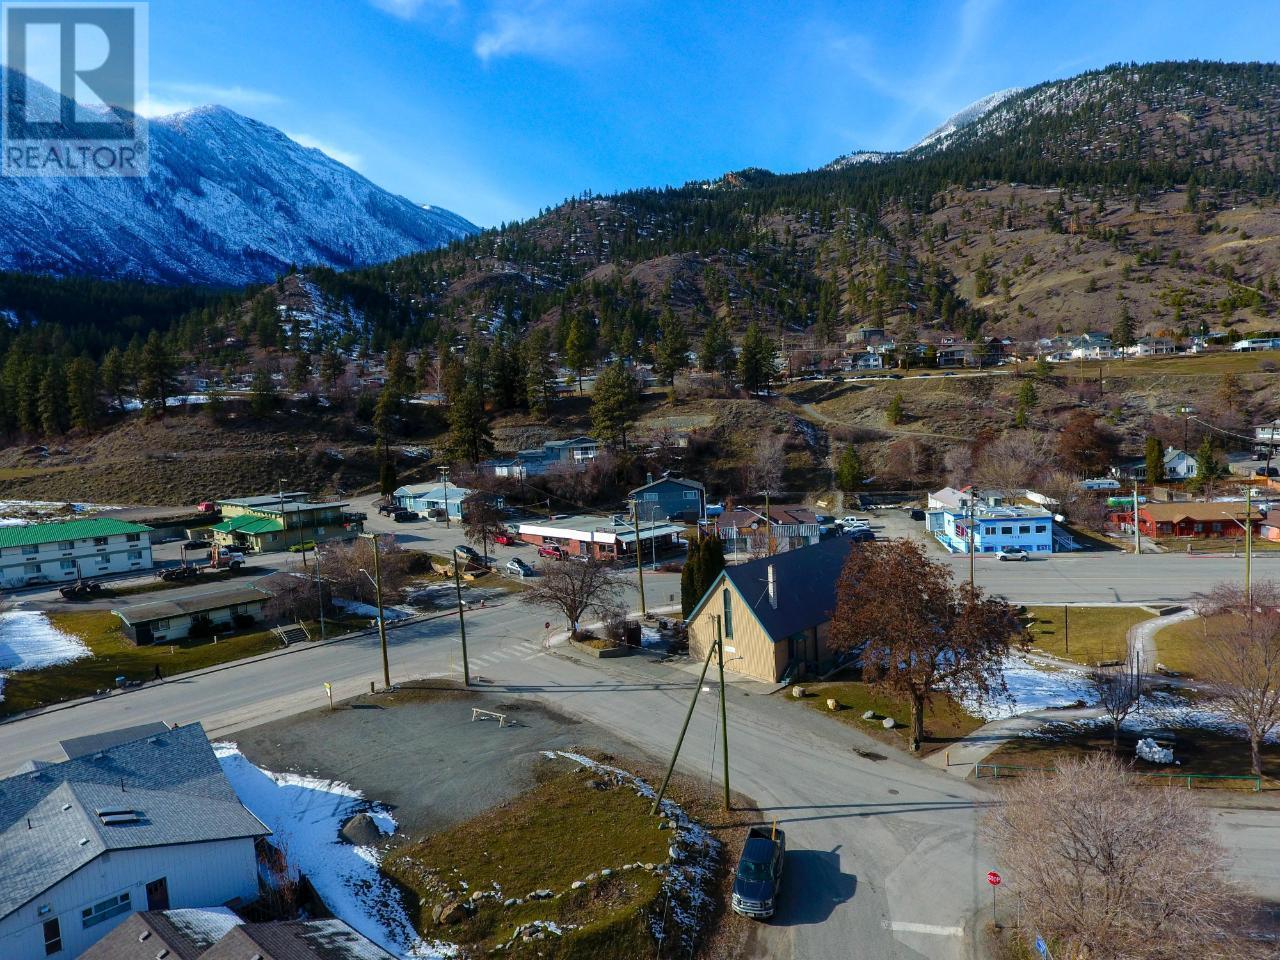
<point x="993" y="878"/>
<point x="1042" y="948"/>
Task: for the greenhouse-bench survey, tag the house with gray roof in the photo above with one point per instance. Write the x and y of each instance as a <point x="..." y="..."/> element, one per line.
<point x="219" y="934"/>
<point x="146" y="824"/>
<point x="773" y="613"/>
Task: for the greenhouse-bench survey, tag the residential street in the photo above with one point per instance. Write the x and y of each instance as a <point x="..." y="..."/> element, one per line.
<point x="885" y="853"/>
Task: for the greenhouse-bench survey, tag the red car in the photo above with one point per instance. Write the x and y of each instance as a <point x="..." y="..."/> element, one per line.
<point x="505" y="540"/>
<point x="551" y="550"/>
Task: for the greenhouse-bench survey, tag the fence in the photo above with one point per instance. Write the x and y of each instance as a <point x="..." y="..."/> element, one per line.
<point x="1001" y="770"/>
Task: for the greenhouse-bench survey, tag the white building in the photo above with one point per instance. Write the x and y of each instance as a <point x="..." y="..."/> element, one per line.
<point x="1178" y="465"/>
<point x="137" y="819"/>
<point x="69" y="549"/>
<point x="1249" y="346"/>
<point x="995" y="525"/>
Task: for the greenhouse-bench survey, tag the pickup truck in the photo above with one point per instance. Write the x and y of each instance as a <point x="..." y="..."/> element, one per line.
<point x="758" y="879"/>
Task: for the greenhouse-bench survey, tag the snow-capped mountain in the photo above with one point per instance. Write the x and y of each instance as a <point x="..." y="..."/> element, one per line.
<point x="937" y="139"/>
<point x="227" y="201"/>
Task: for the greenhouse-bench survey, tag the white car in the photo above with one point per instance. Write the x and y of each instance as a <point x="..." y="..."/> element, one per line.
<point x="854" y="523"/>
<point x="1011" y="553"/>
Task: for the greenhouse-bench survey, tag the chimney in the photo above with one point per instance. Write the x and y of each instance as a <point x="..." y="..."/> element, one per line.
<point x="773" y="588"/>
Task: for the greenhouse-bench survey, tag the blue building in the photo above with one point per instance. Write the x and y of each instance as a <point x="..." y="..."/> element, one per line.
<point x="996" y="525"/>
<point x="575" y="454"/>
<point x="424" y="498"/>
<point x="670" y="498"/>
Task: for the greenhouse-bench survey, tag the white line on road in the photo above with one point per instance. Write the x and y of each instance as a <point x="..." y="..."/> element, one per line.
<point x="902" y="926"/>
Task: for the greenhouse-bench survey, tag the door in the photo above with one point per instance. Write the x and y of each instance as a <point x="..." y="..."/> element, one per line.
<point x="158" y="894"/>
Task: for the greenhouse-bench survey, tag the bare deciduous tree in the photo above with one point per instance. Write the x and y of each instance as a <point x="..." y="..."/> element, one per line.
<point x="920" y="634"/>
<point x="575" y="589"/>
<point x="1119" y="691"/>
<point x="341" y="565"/>
<point x="1241" y="658"/>
<point x="1107" y="870"/>
<point x="294" y="596"/>
<point x="764" y="470"/>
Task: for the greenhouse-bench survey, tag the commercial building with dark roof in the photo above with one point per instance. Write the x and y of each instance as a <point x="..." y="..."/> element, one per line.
<point x="774" y="612"/>
<point x="148" y="824"/>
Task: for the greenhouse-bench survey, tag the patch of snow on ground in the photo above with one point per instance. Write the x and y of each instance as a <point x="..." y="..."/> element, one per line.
<point x="368" y="610"/>
<point x="1034" y="688"/>
<point x="28" y="641"/>
<point x="1150" y="751"/>
<point x="19" y="512"/>
<point x="305" y="815"/>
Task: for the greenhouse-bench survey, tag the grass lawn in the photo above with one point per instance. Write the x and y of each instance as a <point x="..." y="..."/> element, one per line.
<point x="1197" y="750"/>
<point x="572" y="824"/>
<point x="944" y="721"/>
<point x="1178" y="645"/>
<point x="114" y="656"/>
<point x="1091" y="634"/>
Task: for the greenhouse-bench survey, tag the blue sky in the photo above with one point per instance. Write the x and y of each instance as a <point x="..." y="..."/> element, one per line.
<point x="496" y="108"/>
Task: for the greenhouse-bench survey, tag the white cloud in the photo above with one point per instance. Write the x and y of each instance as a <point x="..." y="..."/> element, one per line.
<point x="535" y="28"/>
<point x="408" y="9"/>
<point x="347" y="158"/>
<point x="166" y="98"/>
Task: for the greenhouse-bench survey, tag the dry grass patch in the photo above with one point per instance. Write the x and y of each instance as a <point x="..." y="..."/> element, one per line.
<point x="1084" y="635"/>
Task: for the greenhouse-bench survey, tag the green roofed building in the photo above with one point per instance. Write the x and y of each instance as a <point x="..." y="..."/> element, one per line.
<point x="278" y="521"/>
<point x="40" y="553"/>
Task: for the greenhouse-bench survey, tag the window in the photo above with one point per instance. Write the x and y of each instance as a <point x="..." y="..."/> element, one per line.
<point x="651" y="496"/>
<point x="52" y="937"/>
<point x="100" y="912"/>
<point x="160" y="625"/>
<point x="135" y="556"/>
<point x="1040" y="528"/>
<point x="131" y="538"/>
<point x="728" y="615"/>
<point x="31" y="569"/>
<point x="691" y="494"/>
<point x="67" y="564"/>
<point x="67" y="545"/>
<point x="99" y="541"/>
<point x="1005" y="531"/>
<point x="1026" y="529"/>
<point x="30" y="548"/>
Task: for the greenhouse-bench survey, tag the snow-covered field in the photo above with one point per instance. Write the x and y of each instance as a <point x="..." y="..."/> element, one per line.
<point x="28" y="641"/>
<point x="368" y="610"/>
<point x="18" y="512"/>
<point x="1034" y="688"/>
<point x="305" y="815"/>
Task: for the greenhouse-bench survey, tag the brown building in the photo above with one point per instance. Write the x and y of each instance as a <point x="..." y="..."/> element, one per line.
<point x="1194" y="520"/>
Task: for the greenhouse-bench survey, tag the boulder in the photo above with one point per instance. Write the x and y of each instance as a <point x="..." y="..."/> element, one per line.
<point x="577" y="885"/>
<point x="832" y="705"/>
<point x="798" y="692"/>
<point x="361" y="830"/>
<point x="888" y="723"/>
<point x="450" y="912"/>
<point x="869" y="715"/>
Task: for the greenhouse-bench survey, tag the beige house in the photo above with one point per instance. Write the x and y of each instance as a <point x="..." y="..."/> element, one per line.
<point x="775" y="612"/>
<point x="215" y="611"/>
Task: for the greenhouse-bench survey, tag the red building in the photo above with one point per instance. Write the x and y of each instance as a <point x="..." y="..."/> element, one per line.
<point x="1198" y="520"/>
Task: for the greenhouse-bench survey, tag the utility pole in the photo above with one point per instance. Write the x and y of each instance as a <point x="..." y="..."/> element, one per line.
<point x="724" y="717"/>
<point x="969" y="531"/>
<point x="444" y="480"/>
<point x="320" y="597"/>
<point x="382" y="620"/>
<point x="657" y="801"/>
<point x="635" y="520"/>
<point x="462" y="621"/>
<point x="1137" y="534"/>
<point x="1066" y="630"/>
<point x="1248" y="547"/>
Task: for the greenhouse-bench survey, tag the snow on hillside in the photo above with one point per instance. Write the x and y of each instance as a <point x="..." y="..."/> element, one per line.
<point x="939" y="136"/>
<point x="228" y="200"/>
<point x="861" y="156"/>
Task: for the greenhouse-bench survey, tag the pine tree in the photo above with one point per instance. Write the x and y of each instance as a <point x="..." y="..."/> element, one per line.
<point x="384" y="414"/>
<point x="756" y="366"/>
<point x="156" y="367"/>
<point x="262" y="393"/>
<point x="1154" y="455"/>
<point x="849" y="474"/>
<point x="398" y="377"/>
<point x="387" y="478"/>
<point x="53" y="399"/>
<point x="690" y="579"/>
<point x="1043" y="368"/>
<point x="332" y="366"/>
<point x="577" y="348"/>
<point x="300" y="373"/>
<point x="710" y="563"/>
<point x="1208" y="468"/>
<point x="715" y="354"/>
<point x="673" y="347"/>
<point x="539" y="372"/>
<point x="1122" y="332"/>
<point x="1027" y="400"/>
<point x="469" y="436"/>
<point x="82" y="393"/>
<point x="615" y="402"/>
<point x="895" y="413"/>
<point x="114" y="377"/>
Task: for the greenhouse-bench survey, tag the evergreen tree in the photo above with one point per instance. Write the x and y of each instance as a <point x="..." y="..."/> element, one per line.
<point x="756" y="366"/>
<point x="710" y="563"/>
<point x="300" y="373"/>
<point x="156" y="367"/>
<point x="1122" y="332"/>
<point x="114" y="377"/>
<point x="387" y="478"/>
<point x="262" y="393"/>
<point x="332" y="366"/>
<point x="216" y="408"/>
<point x="577" y="348"/>
<point x="673" y="347"/>
<point x="691" y="579"/>
<point x="1027" y="400"/>
<point x="384" y="414"/>
<point x="715" y="354"/>
<point x="896" y="413"/>
<point x="615" y="402"/>
<point x="52" y="403"/>
<point x="470" y="439"/>
<point x="849" y="474"/>
<point x="1209" y="469"/>
<point x="539" y="372"/>
<point x="82" y="393"/>
<point x="1154" y="455"/>
<point x="398" y="378"/>
<point x="1043" y="368"/>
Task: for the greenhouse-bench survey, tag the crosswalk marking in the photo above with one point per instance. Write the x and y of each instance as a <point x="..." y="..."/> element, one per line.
<point x="903" y="926"/>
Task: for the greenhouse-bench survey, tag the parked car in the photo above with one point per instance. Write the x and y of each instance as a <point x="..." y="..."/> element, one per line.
<point x="860" y="534"/>
<point x="405" y="516"/>
<point x="303" y="547"/>
<point x="1011" y="553"/>
<point x="389" y="509"/>
<point x="518" y="568"/>
<point x="504" y="540"/>
<point x="758" y="879"/>
<point x="917" y="513"/>
<point x="196" y="545"/>
<point x="552" y="550"/>
<point x="38" y="580"/>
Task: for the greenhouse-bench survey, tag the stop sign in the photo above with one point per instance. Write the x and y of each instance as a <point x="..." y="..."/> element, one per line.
<point x="993" y="878"/>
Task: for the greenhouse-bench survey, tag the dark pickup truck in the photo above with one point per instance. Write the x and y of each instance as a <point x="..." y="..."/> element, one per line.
<point x="759" y="877"/>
